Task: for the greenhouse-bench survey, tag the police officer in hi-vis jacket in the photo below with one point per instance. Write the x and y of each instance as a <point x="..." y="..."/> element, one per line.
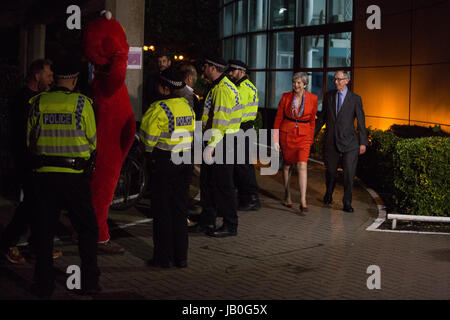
<point x="61" y="138"/>
<point x="167" y="131"/>
<point x="244" y="177"/>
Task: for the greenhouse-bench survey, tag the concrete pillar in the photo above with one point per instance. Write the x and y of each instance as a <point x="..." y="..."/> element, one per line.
<point x="131" y="14"/>
<point x="36" y="42"/>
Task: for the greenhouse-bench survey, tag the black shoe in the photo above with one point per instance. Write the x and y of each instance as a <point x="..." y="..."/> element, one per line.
<point x="223" y="232"/>
<point x="41" y="293"/>
<point x="251" y="206"/>
<point x="198" y="228"/>
<point x="89" y="290"/>
<point x="348" y="208"/>
<point x="327" y="199"/>
<point x="159" y="264"/>
<point x="181" y="264"/>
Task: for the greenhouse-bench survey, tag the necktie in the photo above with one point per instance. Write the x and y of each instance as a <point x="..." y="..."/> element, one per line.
<point x="339" y="102"/>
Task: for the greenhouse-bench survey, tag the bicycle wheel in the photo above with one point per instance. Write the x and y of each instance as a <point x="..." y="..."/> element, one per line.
<point x="132" y="182"/>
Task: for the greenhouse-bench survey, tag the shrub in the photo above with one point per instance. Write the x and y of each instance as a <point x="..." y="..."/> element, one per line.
<point x="406" y="131"/>
<point x="376" y="167"/>
<point x="317" y="147"/>
<point x="421" y="176"/>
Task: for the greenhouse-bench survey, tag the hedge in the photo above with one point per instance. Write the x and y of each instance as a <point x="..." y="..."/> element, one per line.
<point x="410" y="175"/>
<point x="421" y="176"/>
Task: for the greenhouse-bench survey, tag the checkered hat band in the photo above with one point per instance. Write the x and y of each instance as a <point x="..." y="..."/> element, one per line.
<point x="215" y="64"/>
<point x="68" y="76"/>
<point x="235" y="66"/>
<point x="174" y="83"/>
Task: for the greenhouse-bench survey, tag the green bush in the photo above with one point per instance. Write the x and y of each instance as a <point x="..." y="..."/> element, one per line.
<point x="376" y="167"/>
<point x="317" y="147"/>
<point x="410" y="175"/>
<point x="421" y="176"/>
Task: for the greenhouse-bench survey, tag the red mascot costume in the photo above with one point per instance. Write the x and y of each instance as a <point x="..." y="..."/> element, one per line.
<point x="105" y="46"/>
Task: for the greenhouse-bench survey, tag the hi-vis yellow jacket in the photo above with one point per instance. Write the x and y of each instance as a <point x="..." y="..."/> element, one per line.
<point x="249" y="98"/>
<point x="168" y="125"/>
<point x="61" y="123"/>
<point x="223" y="103"/>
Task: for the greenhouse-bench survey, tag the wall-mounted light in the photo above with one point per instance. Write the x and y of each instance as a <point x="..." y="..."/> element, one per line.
<point x="282" y="10"/>
<point x="181" y="57"/>
<point x="145" y="48"/>
<point x="152" y="48"/>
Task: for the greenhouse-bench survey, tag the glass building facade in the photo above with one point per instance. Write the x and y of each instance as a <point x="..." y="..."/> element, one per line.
<point x="279" y="37"/>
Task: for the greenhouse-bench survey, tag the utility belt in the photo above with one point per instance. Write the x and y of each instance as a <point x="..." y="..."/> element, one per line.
<point x="247" y="125"/>
<point x="294" y="120"/>
<point x="88" y="165"/>
<point x="166" y="154"/>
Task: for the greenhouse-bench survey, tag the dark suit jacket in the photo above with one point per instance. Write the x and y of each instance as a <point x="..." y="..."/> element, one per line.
<point x="340" y="130"/>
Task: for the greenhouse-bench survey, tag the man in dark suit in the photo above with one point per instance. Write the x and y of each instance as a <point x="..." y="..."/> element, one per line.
<point x="340" y="108"/>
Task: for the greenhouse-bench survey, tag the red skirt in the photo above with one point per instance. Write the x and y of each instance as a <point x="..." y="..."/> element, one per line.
<point x="295" y="146"/>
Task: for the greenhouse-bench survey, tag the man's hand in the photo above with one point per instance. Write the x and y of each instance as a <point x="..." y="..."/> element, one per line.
<point x="277" y="146"/>
<point x="362" y="149"/>
<point x="208" y="155"/>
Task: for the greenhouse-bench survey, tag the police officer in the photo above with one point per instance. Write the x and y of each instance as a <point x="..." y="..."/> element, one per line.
<point x="61" y="137"/>
<point x="167" y="131"/>
<point x="245" y="178"/>
<point x="222" y="112"/>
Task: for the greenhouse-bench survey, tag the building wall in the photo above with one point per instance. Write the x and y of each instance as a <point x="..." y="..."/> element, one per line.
<point x="402" y="71"/>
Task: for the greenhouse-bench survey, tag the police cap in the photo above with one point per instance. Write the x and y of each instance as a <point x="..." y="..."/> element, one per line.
<point x="66" y="68"/>
<point x="216" y="61"/>
<point x="236" y="65"/>
<point x="172" y="78"/>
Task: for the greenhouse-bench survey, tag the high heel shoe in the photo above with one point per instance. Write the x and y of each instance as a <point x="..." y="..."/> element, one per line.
<point x="288" y="204"/>
<point x="303" y="209"/>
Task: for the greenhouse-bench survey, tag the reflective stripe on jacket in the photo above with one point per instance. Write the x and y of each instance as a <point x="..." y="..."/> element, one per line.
<point x="249" y="98"/>
<point x="168" y="125"/>
<point x="224" y="103"/>
<point x="61" y="123"/>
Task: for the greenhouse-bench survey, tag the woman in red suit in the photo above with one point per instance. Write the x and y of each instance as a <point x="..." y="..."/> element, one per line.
<point x="296" y="121"/>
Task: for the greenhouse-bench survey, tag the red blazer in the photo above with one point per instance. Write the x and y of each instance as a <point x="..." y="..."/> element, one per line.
<point x="287" y="126"/>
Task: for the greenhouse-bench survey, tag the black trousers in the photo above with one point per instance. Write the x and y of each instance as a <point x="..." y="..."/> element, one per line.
<point x="218" y="192"/>
<point x="169" y="207"/>
<point x="21" y="220"/>
<point x="64" y="190"/>
<point x="245" y="177"/>
<point x="350" y="161"/>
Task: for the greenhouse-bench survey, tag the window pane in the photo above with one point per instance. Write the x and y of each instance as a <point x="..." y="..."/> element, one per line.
<point x="279" y="83"/>
<point x="311" y="53"/>
<point x="257" y="54"/>
<point x="340" y="52"/>
<point x="258" y="15"/>
<point x="282" y="13"/>
<point x="228" y="49"/>
<point x="240" y="48"/>
<point x="228" y="20"/>
<point x="282" y="50"/>
<point x="311" y="12"/>
<point x="241" y="17"/>
<point x="315" y="87"/>
<point x="330" y="82"/>
<point x="340" y="11"/>
<point x="226" y="1"/>
<point x="259" y="80"/>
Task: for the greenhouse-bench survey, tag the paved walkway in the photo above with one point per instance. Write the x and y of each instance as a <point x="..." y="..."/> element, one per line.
<point x="278" y="254"/>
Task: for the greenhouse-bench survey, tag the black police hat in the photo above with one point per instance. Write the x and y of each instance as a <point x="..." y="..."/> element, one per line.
<point x="236" y="65"/>
<point x="172" y="78"/>
<point x="216" y="61"/>
<point x="66" y="68"/>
